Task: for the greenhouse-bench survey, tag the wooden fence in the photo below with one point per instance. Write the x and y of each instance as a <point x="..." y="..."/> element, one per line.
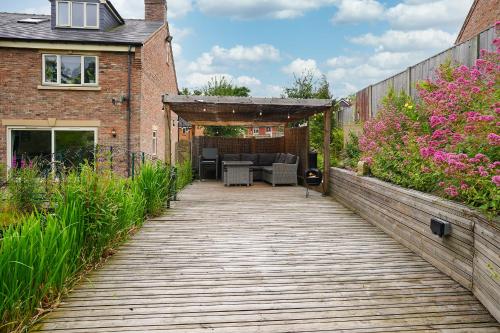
<point x="295" y="141"/>
<point x="368" y="100"/>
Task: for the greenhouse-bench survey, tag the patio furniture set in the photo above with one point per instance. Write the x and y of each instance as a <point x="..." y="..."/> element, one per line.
<point x="244" y="169"/>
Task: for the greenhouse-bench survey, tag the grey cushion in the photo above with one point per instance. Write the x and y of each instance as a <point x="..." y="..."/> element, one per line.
<point x="254" y="158"/>
<point x="290" y="159"/>
<point x="281" y="158"/>
<point x="268" y="169"/>
<point x="266" y="159"/>
<point x="231" y="157"/>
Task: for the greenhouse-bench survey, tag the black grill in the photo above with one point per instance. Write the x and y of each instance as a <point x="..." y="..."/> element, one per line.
<point x="313" y="177"/>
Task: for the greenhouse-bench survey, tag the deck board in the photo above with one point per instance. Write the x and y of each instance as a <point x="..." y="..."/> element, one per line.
<point x="267" y="260"/>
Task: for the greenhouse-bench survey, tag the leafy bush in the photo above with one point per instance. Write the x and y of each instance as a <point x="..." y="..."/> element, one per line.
<point x="448" y="142"/>
<point x="91" y="213"/>
<point x="184" y="175"/>
<point x="351" y="153"/>
<point x="25" y="188"/>
<point x="154" y="182"/>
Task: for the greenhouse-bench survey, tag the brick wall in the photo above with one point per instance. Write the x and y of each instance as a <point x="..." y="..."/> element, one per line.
<point x="158" y="78"/>
<point x="20" y="97"/>
<point x="483" y="16"/>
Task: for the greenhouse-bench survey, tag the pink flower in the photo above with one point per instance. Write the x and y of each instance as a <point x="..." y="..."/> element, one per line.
<point x="496" y="180"/>
<point x="451" y="191"/>
<point x="494" y="139"/>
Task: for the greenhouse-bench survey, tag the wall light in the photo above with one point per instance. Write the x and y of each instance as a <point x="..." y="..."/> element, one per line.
<point x="113" y="133"/>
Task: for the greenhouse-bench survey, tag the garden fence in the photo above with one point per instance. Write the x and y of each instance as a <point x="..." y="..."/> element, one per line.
<point x="369" y="99"/>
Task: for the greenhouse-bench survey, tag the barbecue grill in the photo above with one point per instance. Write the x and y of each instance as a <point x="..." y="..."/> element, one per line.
<point x="313" y="177"/>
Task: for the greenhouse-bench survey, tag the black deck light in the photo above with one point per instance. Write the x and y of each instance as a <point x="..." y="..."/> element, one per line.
<point x="440" y="228"/>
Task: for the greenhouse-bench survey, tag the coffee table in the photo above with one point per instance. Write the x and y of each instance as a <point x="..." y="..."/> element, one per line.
<point x="237" y="173"/>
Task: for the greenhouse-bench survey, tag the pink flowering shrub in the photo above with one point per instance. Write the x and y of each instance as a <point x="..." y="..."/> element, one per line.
<point x="448" y="143"/>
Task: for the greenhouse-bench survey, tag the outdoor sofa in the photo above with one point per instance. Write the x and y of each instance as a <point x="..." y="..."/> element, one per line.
<point x="274" y="168"/>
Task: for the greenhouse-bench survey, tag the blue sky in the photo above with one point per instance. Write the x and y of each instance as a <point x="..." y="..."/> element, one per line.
<point x="263" y="43"/>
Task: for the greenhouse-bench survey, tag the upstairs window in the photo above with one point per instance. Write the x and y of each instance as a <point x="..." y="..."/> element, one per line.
<point x="70" y="70"/>
<point x="77" y="14"/>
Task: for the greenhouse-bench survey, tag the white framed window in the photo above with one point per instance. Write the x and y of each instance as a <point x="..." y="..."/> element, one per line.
<point x="155" y="143"/>
<point x="70" y="70"/>
<point x="255" y="130"/>
<point x="79" y="15"/>
<point x="185" y="130"/>
<point x="66" y="145"/>
<point x="268" y="130"/>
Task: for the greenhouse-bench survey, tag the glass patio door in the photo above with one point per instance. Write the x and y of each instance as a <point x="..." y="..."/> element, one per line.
<point x="51" y="147"/>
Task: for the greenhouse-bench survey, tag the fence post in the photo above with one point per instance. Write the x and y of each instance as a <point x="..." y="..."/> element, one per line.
<point x="142" y="157"/>
<point x="133" y="165"/>
<point x="111" y="157"/>
<point x="174" y="182"/>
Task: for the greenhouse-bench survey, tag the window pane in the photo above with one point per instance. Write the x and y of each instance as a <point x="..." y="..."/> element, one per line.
<point x="31" y="145"/>
<point x="74" y="147"/>
<point x="90" y="69"/>
<point x="77" y="15"/>
<point x="63" y="13"/>
<point x="91" y="15"/>
<point x="71" y="71"/>
<point x="50" y="69"/>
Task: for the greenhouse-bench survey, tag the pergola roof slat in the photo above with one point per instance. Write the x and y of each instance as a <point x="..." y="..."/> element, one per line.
<point x="244" y="110"/>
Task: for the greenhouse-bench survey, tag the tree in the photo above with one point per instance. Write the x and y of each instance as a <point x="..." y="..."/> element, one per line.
<point x="221" y="87"/>
<point x="307" y="87"/>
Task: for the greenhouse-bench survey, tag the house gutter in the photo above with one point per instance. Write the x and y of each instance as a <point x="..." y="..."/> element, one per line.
<point x="129" y="108"/>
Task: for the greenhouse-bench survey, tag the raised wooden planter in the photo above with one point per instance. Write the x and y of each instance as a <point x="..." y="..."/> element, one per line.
<point x="470" y="255"/>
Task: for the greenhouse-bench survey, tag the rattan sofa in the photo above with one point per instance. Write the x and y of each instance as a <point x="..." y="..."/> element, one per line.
<point x="274" y="168"/>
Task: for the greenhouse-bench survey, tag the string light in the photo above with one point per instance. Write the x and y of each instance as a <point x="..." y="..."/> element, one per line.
<point x="234" y="112"/>
<point x="260" y="113"/>
<point x="288" y="116"/>
<point x="204" y="110"/>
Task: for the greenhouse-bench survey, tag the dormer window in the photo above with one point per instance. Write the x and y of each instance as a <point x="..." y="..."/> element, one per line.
<point x="81" y="15"/>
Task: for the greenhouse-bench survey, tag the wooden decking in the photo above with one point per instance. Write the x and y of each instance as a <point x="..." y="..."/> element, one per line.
<point x="265" y="259"/>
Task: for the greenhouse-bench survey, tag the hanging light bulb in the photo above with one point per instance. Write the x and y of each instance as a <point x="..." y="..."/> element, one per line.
<point x="260" y="113"/>
<point x="204" y="110"/>
<point x="234" y="112"/>
<point x="288" y="116"/>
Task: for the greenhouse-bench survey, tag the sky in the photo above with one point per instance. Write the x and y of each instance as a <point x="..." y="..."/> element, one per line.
<point x="264" y="44"/>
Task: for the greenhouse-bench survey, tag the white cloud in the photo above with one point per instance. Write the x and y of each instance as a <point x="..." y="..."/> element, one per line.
<point x="41" y="10"/>
<point x="416" y="40"/>
<point x="251" y="9"/>
<point x="300" y="66"/>
<point x="355" y="11"/>
<point x="257" y="53"/>
<point x="413" y="14"/>
<point x="247" y="81"/>
<point x="343" y="61"/>
<point x="220" y="58"/>
<point x="135" y="9"/>
<point x="178" y="8"/>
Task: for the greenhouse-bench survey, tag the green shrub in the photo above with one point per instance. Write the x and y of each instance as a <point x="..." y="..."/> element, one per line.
<point x="351" y="153"/>
<point x="91" y="212"/>
<point x="184" y="175"/>
<point x="25" y="188"/>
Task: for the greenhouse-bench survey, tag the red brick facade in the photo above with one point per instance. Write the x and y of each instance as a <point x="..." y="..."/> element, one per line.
<point x="22" y="96"/>
<point x="264" y="131"/>
<point x="483" y="15"/>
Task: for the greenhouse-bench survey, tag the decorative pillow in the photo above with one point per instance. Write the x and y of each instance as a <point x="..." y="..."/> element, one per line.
<point x="231" y="157"/>
<point x="254" y="158"/>
<point x="290" y="159"/>
<point x="281" y="158"/>
<point x="266" y="159"/>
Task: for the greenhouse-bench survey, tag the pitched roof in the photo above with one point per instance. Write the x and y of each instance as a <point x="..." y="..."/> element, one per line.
<point x="467" y="19"/>
<point x="133" y="32"/>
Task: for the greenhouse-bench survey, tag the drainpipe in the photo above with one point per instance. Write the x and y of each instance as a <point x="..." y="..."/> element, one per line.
<point x="129" y="108"/>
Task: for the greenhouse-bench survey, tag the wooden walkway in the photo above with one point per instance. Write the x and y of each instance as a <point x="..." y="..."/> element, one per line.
<point x="263" y="259"/>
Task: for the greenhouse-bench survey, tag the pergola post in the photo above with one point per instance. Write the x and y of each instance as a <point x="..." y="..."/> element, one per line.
<point x="168" y="135"/>
<point x="326" y="149"/>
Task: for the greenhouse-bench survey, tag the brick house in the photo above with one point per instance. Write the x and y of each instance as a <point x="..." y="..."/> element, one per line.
<point x="84" y="76"/>
<point x="482" y="15"/>
<point x="264" y="132"/>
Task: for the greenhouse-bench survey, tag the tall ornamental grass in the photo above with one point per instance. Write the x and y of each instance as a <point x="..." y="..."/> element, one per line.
<point x="45" y="253"/>
<point x="184" y="174"/>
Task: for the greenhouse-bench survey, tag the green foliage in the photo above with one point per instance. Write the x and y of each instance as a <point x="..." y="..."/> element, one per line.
<point x="25" y="188"/>
<point x="351" y="152"/>
<point x="154" y="182"/>
<point x="184" y="175"/>
<point x="90" y="213"/>
<point x="307" y="87"/>
<point x="221" y="87"/>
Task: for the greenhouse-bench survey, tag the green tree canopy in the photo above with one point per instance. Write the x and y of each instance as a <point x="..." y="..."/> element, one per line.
<point x="221" y="87"/>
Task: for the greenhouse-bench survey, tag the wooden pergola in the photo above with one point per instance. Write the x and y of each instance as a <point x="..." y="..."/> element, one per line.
<point x="248" y="111"/>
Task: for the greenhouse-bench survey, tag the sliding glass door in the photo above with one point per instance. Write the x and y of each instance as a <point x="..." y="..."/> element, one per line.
<point x="51" y="147"/>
